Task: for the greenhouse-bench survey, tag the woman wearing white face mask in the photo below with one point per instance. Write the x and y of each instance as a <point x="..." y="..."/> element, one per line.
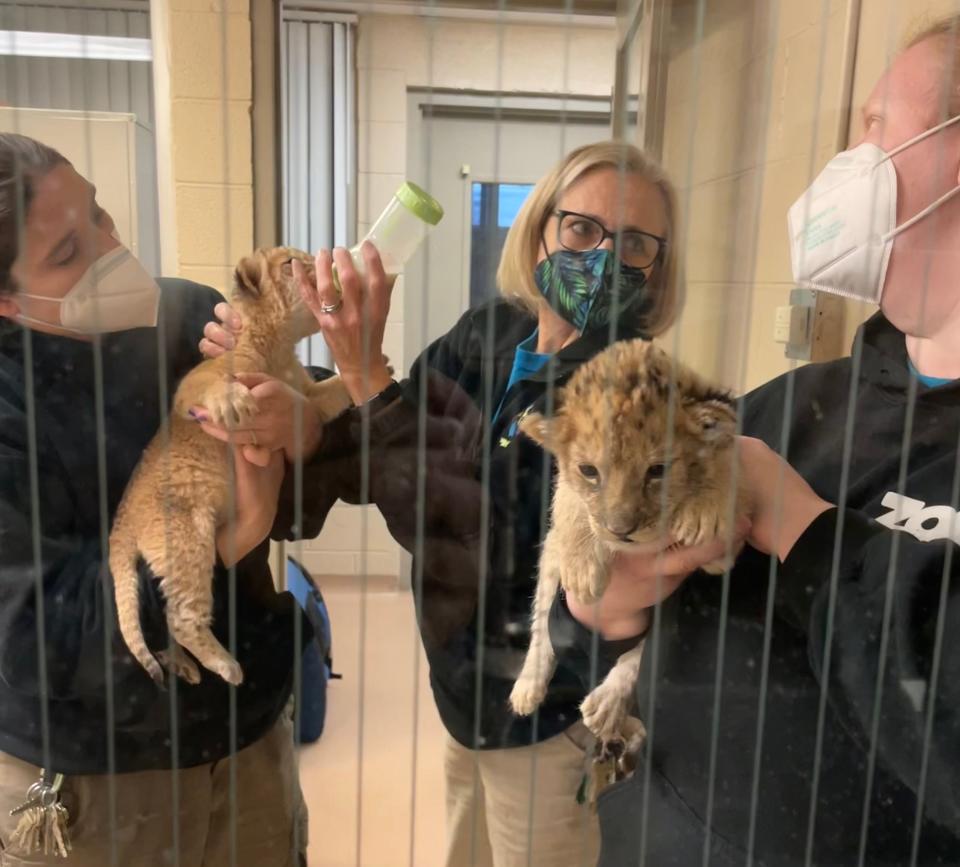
<point x="83" y="372"/>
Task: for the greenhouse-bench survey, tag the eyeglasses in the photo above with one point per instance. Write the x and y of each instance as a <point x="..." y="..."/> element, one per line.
<point x="580" y="233"/>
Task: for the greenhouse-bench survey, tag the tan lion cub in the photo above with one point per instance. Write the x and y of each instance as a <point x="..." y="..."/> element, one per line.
<point x="179" y="494"/>
<point x="631" y="464"/>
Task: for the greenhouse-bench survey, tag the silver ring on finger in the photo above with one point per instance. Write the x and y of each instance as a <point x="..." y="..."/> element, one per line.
<point x="332" y="308"/>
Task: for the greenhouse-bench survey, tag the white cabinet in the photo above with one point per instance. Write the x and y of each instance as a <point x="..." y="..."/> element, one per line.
<point x="114" y="152"/>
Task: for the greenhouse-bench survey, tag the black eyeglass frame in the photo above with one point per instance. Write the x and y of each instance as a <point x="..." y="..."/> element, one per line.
<point x="657" y="259"/>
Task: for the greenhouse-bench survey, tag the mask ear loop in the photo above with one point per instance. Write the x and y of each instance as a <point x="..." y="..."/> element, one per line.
<point x="925" y="134"/>
<point x="916" y="218"/>
<point x="938" y="202"/>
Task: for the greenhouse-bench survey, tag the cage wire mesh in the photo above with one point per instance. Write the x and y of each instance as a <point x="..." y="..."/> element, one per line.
<point x="799" y="708"/>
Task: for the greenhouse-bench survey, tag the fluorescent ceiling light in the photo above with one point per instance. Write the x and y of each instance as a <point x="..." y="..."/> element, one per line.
<point x="29" y="43"/>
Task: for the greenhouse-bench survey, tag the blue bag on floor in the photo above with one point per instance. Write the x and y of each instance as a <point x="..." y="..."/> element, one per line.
<point x="317" y="662"/>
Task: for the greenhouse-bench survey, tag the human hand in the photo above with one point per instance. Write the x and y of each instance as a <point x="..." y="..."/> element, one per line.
<point x="285" y="420"/>
<point x="354" y="331"/>
<point x="782" y="504"/>
<point x="256" y="491"/>
<point x="640" y="579"/>
<point x="220" y="337"/>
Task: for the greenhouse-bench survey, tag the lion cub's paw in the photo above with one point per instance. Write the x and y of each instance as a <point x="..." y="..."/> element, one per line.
<point x="176" y="661"/>
<point x="527" y="694"/>
<point x="698" y="521"/>
<point x="230" y="404"/>
<point x="605" y="710"/>
<point x="586" y="581"/>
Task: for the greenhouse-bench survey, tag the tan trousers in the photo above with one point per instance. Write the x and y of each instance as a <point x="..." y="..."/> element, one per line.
<point x="268" y="806"/>
<point x="518" y="807"/>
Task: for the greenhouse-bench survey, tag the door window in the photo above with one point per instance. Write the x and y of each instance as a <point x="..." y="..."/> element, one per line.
<point x="494" y="207"/>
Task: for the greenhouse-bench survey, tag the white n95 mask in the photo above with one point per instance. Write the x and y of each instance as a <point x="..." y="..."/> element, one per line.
<point x="842" y="228"/>
<point x="114" y="294"/>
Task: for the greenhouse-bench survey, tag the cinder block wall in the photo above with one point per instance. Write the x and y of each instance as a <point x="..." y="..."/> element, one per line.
<point x="752" y="115"/>
<point x="209" y="105"/>
<point x="745" y="125"/>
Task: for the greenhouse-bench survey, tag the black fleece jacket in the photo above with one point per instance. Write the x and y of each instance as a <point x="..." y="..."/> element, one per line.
<point x="56" y="594"/>
<point x="470" y="500"/>
<point x="866" y="608"/>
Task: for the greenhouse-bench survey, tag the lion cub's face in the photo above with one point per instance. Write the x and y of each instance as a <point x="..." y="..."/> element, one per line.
<point x="630" y="452"/>
<point x="264" y="285"/>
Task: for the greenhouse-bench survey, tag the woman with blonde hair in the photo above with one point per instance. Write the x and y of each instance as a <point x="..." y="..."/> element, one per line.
<point x="591" y="258"/>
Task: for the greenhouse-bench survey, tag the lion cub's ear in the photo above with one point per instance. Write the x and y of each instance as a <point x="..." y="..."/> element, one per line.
<point x="246" y="277"/>
<point x="715" y="420"/>
<point x="547" y="432"/>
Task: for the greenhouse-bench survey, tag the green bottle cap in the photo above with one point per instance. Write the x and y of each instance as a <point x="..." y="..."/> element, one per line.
<point x="420" y="203"/>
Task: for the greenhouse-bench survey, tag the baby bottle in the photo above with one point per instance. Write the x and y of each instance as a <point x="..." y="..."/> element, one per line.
<point x="398" y="231"/>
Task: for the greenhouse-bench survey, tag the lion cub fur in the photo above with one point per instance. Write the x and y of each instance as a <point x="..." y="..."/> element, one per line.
<point x="632" y="462"/>
<point x="179" y="493"/>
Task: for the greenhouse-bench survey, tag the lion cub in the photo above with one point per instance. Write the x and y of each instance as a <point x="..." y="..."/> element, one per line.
<point x="632" y="464"/>
<point x="179" y="494"/>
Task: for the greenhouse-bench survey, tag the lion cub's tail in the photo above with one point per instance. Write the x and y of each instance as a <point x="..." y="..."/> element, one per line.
<point x="124" y="554"/>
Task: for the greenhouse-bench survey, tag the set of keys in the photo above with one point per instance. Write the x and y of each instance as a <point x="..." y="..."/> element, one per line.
<point x="42" y="828"/>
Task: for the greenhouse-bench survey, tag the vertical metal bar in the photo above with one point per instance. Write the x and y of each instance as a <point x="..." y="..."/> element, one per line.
<point x="421" y="477"/>
<point x="656" y="628"/>
<point x="102" y="506"/>
<point x="364" y="577"/>
<point x="232" y="506"/>
<point x="835" y="563"/>
<point x="934" y="682"/>
<point x="169" y="545"/>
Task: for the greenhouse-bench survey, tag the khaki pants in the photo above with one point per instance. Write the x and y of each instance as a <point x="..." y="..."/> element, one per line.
<point x="268" y="807"/>
<point x="518" y="807"/>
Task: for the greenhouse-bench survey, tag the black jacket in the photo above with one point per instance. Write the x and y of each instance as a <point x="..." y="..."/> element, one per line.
<point x="55" y="516"/>
<point x="470" y="500"/>
<point x="900" y="511"/>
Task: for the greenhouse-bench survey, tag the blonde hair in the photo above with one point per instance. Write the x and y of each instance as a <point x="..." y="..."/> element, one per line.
<point x="515" y="276"/>
<point x="945" y="29"/>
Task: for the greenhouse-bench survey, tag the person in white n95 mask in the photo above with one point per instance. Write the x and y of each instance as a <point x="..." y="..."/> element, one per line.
<point x="844" y="226"/>
<point x="834" y="734"/>
<point x="882" y="221"/>
<point x="85" y="384"/>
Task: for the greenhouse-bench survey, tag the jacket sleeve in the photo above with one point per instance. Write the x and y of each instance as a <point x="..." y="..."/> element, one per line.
<point x="373" y="454"/>
<point x="54" y="582"/>
<point x="56" y="592"/>
<point x="897" y="608"/>
<point x="582" y="648"/>
<point x="413" y="456"/>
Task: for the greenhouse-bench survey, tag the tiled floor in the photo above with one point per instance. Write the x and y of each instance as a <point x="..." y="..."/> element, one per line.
<point x="375" y="791"/>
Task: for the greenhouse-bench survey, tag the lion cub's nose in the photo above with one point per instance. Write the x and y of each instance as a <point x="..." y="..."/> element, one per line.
<point x="624" y="529"/>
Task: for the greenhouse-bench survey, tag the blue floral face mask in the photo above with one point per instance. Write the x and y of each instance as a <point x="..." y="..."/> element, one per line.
<point x="580" y="287"/>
